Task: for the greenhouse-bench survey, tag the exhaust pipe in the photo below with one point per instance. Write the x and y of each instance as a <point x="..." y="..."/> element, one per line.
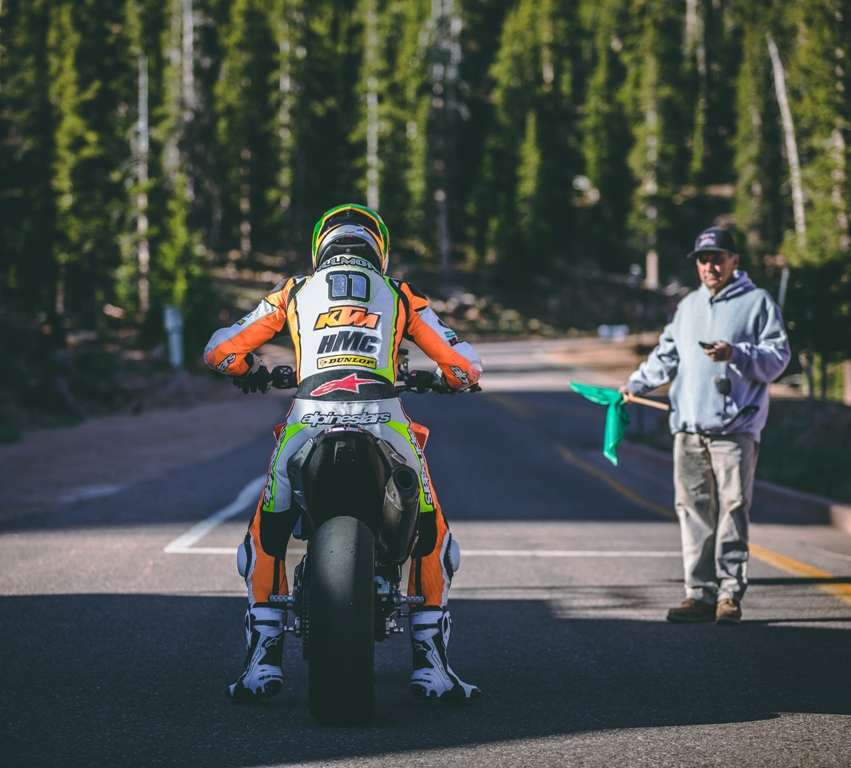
<point x="400" y="515"/>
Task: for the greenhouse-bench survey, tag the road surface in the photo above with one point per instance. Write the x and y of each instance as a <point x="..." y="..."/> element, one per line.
<point x="121" y="620"/>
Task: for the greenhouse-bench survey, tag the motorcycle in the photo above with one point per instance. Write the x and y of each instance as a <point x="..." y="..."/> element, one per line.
<point x="359" y="504"/>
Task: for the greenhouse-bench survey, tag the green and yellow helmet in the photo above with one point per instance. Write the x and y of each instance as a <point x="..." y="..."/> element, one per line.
<point x="351" y="230"/>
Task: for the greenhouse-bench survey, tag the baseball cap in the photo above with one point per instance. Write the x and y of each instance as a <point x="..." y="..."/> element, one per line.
<point x="713" y="239"/>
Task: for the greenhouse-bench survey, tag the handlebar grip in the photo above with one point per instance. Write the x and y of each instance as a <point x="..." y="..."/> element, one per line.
<point x="283" y="377"/>
<point x="421" y="381"/>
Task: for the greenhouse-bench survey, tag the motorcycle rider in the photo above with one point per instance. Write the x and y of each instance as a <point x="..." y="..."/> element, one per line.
<point x="347" y="321"/>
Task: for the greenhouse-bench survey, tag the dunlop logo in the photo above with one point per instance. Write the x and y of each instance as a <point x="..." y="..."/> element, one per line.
<point x="334" y="361"/>
<point x="342" y="316"/>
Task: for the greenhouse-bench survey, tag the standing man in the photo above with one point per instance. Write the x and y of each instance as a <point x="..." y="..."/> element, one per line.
<point x="724" y="345"/>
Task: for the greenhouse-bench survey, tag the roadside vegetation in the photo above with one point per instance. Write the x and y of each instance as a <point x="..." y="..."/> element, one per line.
<point x="543" y="165"/>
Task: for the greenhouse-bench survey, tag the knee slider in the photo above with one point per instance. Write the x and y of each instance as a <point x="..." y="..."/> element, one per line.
<point x="243" y="556"/>
<point x="452" y="557"/>
<point x="242" y="559"/>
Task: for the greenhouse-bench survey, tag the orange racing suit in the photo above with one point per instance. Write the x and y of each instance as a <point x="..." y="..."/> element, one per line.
<point x="347" y="322"/>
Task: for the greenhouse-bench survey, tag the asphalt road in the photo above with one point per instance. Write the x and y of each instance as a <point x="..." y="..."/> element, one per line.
<point x="116" y="652"/>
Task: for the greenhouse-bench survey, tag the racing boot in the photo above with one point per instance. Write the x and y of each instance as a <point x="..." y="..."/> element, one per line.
<point x="432" y="677"/>
<point x="262" y="679"/>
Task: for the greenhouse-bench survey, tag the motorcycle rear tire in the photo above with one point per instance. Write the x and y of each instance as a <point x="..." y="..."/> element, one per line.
<point x="341" y="560"/>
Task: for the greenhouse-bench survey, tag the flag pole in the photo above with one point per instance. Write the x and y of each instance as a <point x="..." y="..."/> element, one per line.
<point x="645" y="401"/>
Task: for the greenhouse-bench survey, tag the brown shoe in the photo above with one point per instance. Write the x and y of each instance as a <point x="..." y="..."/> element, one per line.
<point x="691" y="611"/>
<point x="728" y="612"/>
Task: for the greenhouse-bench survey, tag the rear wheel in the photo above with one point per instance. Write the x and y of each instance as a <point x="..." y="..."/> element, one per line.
<point x="341" y="561"/>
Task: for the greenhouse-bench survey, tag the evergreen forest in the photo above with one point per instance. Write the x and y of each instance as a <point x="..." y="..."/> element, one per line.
<point x="150" y="148"/>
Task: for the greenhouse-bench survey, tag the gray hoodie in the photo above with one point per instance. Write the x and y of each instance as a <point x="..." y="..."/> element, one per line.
<point x="740" y="314"/>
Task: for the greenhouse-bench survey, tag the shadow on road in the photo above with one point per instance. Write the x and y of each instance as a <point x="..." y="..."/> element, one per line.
<point x="119" y="680"/>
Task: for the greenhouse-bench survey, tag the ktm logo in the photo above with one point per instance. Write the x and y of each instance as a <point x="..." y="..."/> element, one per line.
<point x="343" y="316"/>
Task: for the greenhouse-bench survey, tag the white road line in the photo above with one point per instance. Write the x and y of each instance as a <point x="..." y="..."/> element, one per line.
<point x="225" y="551"/>
<point x="247" y="496"/>
<point x="566" y="553"/>
<point x="85" y="492"/>
<point x="472" y="552"/>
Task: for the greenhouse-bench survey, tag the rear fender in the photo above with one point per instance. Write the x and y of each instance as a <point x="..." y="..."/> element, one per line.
<point x="344" y="471"/>
<point x="420" y="433"/>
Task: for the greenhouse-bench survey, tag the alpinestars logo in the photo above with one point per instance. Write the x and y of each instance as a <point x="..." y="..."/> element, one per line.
<point x="349" y="384"/>
<point x="424" y="481"/>
<point x="461" y="376"/>
<point x="332" y="419"/>
<point x="223" y="366"/>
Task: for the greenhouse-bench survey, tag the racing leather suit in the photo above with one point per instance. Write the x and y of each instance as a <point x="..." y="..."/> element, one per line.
<point x="347" y="322"/>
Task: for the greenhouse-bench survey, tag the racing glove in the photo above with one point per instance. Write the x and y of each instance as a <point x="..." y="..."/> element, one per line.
<point x="442" y="387"/>
<point x="422" y="381"/>
<point x="256" y="379"/>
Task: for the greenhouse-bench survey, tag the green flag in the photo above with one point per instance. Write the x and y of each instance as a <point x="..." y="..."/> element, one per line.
<point x="616" y="417"/>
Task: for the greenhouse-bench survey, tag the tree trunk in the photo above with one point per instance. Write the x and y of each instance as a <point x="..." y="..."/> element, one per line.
<point x="846" y="383"/>
<point x="791" y="143"/>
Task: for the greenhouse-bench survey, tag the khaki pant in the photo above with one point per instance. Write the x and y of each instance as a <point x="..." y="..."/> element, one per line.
<point x="713" y="486"/>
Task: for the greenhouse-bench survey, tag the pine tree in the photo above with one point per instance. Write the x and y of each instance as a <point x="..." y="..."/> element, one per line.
<point x="180" y="274"/>
<point x="654" y="92"/>
<point x="757" y="141"/>
<point x="483" y="21"/>
<point x="178" y="263"/>
<point x="27" y="204"/>
<point x="324" y="171"/>
<point x="534" y="99"/>
<point x="89" y="68"/>
<point x="605" y="132"/>
<point x="412" y="105"/>
<point x="819" y="82"/>
<point x="287" y="21"/>
<point x="711" y="59"/>
<point x="246" y="98"/>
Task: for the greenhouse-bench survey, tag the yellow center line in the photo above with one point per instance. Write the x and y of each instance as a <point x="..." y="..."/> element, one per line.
<point x="518" y="409"/>
<point x="572" y="458"/>
<point x="781" y="562"/>
<point x="527" y="412"/>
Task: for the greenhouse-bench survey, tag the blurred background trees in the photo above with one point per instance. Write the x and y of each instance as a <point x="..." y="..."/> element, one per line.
<point x="520" y="143"/>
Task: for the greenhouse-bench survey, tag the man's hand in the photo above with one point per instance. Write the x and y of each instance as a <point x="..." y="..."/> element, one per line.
<point x="256" y="379"/>
<point x="719" y="351"/>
